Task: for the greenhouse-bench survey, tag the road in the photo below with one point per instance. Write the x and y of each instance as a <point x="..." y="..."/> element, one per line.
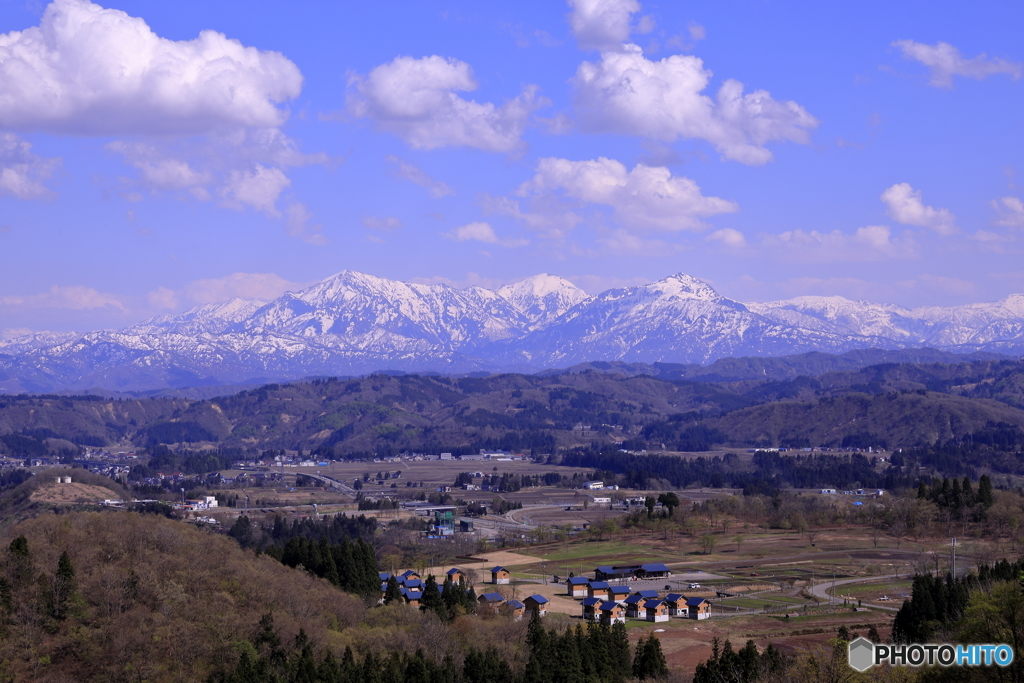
<point x="822" y="589"/>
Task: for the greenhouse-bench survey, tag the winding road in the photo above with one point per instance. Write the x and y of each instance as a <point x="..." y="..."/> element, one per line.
<point x="822" y="589"/>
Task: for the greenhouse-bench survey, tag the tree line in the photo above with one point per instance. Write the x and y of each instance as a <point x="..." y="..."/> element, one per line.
<point x="595" y="654"/>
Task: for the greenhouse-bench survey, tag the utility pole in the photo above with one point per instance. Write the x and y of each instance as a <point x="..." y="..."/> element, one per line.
<point x="830" y="595"/>
<point x="954" y="558"/>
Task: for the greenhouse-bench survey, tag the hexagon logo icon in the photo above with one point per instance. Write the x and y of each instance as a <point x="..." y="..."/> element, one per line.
<point x="862" y="654"/>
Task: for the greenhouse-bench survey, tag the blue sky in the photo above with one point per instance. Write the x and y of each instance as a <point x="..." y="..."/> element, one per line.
<point x="156" y="156"/>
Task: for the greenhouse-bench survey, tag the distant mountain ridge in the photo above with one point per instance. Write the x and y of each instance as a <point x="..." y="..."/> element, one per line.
<point x="354" y="323"/>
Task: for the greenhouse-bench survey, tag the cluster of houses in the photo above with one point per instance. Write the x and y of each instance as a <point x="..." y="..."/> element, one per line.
<point x="603" y="600"/>
<point x="410" y="583"/>
<point x="610" y="604"/>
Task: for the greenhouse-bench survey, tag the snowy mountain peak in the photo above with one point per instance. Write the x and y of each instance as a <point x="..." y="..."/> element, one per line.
<point x="205" y="318"/>
<point x="353" y="323"/>
<point x="683" y="286"/>
<point x="540" y="286"/>
<point x="542" y="298"/>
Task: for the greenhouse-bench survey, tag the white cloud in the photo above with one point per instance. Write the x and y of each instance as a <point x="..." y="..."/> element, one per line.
<point x="869" y="243"/>
<point x="414" y="174"/>
<point x="546" y="214"/>
<point x="647" y="197"/>
<point x="264" y="286"/>
<point x="729" y="237"/>
<point x="905" y="206"/>
<point x="624" y="92"/>
<point x="163" y="298"/>
<point x="696" y="31"/>
<point x="86" y="70"/>
<point x="1011" y="212"/>
<point x="74" y="297"/>
<point x="297" y="220"/>
<point x="258" y="189"/>
<point x="945" y="61"/>
<point x="481" y="232"/>
<point x="992" y="241"/>
<point x="160" y="172"/>
<point x="21" y="172"/>
<point x="942" y="283"/>
<point x="227" y="165"/>
<point x="601" y="24"/>
<point x="386" y="224"/>
<point x="619" y="241"/>
<point x="416" y="100"/>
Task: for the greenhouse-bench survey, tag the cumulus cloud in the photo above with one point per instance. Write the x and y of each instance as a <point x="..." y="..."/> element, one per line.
<point x="73" y="297"/>
<point x="646" y="197"/>
<point x="481" y="232"/>
<point x="1010" y="212"/>
<point x="224" y="165"/>
<point x="905" y="206"/>
<point x="21" y="172"/>
<point x="416" y="100"/>
<point x="602" y="24"/>
<point x="157" y="171"/>
<point x="263" y="286"/>
<point x="414" y="174"/>
<point x="258" y="189"/>
<point x="945" y="61"/>
<point x="86" y="70"/>
<point x="624" y="92"/>
<point x="728" y="237"/>
<point x="865" y="244"/>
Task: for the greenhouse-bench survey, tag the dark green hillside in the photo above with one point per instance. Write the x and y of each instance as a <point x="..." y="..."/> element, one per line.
<point x="892" y="420"/>
<point x="888" y="404"/>
<point x="85" y="420"/>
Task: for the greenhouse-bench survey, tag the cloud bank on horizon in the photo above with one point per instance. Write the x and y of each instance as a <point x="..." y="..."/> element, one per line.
<point x="154" y="158"/>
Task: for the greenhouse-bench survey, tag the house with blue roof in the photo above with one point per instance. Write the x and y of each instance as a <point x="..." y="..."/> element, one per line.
<point x="653" y="570"/>
<point x="456" y="574"/>
<point x="538" y="604"/>
<point x="513" y="608"/>
<point x="590" y="606"/>
<point x="490" y="600"/>
<point x="412" y="597"/>
<point x="599" y="589"/>
<point x="618" y="593"/>
<point x="500" y="575"/>
<point x="632" y="605"/>
<point x="676" y="604"/>
<point x="608" y="572"/>
<point x="698" y="608"/>
<point x="655" y="610"/>
<point x="577" y="586"/>
<point x="611" y="613"/>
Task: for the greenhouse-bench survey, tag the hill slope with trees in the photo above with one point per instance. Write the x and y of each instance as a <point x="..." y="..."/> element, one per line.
<point x="891" y="405"/>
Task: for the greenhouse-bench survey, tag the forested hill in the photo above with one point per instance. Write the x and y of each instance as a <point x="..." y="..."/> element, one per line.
<point x="892" y="405"/>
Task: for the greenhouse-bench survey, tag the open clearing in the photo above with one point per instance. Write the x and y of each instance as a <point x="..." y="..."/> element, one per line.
<point x="71" y="493"/>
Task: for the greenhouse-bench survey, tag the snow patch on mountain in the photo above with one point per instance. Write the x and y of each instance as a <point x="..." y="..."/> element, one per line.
<point x="353" y="323"/>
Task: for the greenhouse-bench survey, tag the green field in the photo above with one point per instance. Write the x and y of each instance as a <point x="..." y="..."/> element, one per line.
<point x="600" y="552"/>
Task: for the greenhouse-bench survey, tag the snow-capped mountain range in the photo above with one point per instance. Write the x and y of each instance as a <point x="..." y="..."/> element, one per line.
<point x="353" y="323"/>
